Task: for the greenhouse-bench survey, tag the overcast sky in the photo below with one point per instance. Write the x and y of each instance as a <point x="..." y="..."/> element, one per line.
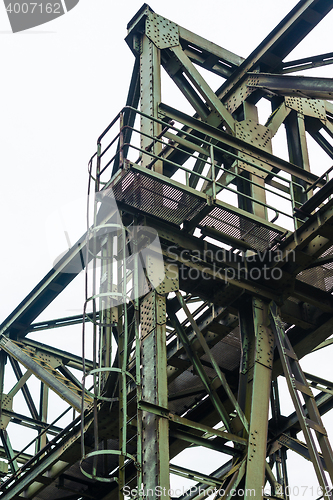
<point x="61" y="85"/>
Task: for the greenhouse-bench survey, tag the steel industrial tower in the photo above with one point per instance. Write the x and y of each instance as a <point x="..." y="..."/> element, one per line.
<point x="210" y="275"/>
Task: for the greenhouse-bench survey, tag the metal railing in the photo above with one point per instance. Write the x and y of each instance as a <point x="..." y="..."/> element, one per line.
<point x="194" y="148"/>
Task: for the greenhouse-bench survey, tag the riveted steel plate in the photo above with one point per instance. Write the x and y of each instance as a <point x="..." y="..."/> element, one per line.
<point x="160" y="310"/>
<point x="147" y="315"/>
<point x="6" y="404"/>
<point x="155" y="268"/>
<point x="171" y="280"/>
<point x="162" y="32"/>
<point x="265" y="346"/>
<point x="254" y="133"/>
<point x="308" y="107"/>
<point x="237" y="98"/>
<point x="48" y="359"/>
<point x="258" y="135"/>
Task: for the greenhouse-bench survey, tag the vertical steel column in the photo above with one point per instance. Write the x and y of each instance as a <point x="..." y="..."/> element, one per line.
<point x="258" y="193"/>
<point x="250" y="127"/>
<point x="279" y="458"/>
<point x="150" y="97"/>
<point x="43" y="405"/>
<point x="297" y="148"/>
<point x="122" y="361"/>
<point x="256" y="368"/>
<point x="4" y="438"/>
<point x="136" y="304"/>
<point x="3" y="361"/>
<point x="122" y="408"/>
<point x="155" y="429"/>
<point x="122" y="328"/>
<point x="106" y="309"/>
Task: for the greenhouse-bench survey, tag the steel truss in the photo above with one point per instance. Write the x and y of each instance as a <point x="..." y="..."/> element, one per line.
<point x="211" y="277"/>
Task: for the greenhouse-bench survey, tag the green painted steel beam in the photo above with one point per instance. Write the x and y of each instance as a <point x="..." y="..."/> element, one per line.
<point x="204" y="332"/>
<point x="195" y="360"/>
<point x="189" y="424"/>
<point x="71" y="397"/>
<point x="25" y="390"/>
<point x="194" y="475"/>
<point x="59" y="322"/>
<point x="286" y="85"/>
<point x="18" y="418"/>
<point x="298" y="447"/>
<point x="206" y="443"/>
<point x="9" y="451"/>
<point x="306" y="63"/>
<point x="203" y="88"/>
<point x="67" y="357"/>
<point x="254" y="386"/>
<point x="207" y="54"/>
<point x="280" y="42"/>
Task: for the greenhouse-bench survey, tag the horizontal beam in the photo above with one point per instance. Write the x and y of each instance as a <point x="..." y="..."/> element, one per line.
<point x="306" y="63"/>
<point x="60" y="322"/>
<point x="18" y="418"/>
<point x="177" y="241"/>
<point x="286" y="85"/>
<point x="318" y="224"/>
<point x="319" y="383"/>
<point x="317" y="199"/>
<point x="164" y="412"/>
<point x="207" y="443"/>
<point x="194" y="475"/>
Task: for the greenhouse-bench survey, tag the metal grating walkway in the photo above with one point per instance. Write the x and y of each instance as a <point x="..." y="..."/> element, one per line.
<point x="153" y="194"/>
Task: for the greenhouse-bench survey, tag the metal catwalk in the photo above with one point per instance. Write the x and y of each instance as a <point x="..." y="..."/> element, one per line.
<point x="208" y="266"/>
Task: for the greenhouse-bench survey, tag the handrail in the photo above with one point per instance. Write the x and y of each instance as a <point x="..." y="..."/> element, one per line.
<point x="199" y="143"/>
<point x="201" y="140"/>
<point x="201" y="176"/>
<point x="325" y="174"/>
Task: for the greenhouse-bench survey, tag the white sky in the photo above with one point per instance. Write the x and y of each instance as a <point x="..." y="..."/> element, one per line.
<point x="61" y="85"/>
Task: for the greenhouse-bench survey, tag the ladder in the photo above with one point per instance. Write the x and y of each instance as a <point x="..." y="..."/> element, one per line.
<point x="308" y="414"/>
